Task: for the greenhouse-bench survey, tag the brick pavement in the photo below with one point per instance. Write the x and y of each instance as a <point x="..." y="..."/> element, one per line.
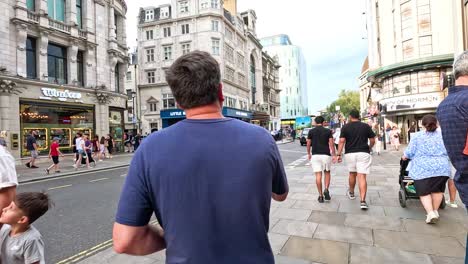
<point x="303" y="231"/>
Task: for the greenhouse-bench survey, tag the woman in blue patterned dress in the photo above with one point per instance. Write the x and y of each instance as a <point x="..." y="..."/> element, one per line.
<point x="430" y="166"/>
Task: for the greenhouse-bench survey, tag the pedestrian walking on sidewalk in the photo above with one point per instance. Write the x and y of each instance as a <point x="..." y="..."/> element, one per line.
<point x="321" y="140"/>
<point x="293" y="135"/>
<point x="452" y="114"/>
<point x="89" y="152"/>
<point x="395" y="137"/>
<point x="213" y="205"/>
<point x="110" y="145"/>
<point x="388" y="130"/>
<point x="357" y="139"/>
<point x="81" y="150"/>
<point x="430" y="167"/>
<point x="20" y="242"/>
<point x="102" y="148"/>
<point x="54" y="154"/>
<point x="31" y="146"/>
<point x="8" y="176"/>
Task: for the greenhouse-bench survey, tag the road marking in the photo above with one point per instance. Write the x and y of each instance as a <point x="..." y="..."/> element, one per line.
<point x="123" y="175"/>
<point x="297" y="162"/>
<point x="99" y="247"/>
<point x="59" y="187"/>
<point x="97" y="180"/>
<point x="72" y="176"/>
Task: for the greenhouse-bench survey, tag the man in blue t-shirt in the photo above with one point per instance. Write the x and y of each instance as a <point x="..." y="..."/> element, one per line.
<point x="208" y="179"/>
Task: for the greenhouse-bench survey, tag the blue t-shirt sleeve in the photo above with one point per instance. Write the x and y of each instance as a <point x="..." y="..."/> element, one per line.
<point x="135" y="206"/>
<point x="280" y="181"/>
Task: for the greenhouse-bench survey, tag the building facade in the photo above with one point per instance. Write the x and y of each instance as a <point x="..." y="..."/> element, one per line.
<point x="411" y="47"/>
<point x="271" y="90"/>
<point x="168" y="31"/>
<point x="292" y="75"/>
<point x="131" y="115"/>
<point x="62" y="67"/>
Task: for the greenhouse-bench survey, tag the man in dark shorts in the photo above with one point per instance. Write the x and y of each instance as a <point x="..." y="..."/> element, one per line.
<point x="356" y="136"/>
<point x="321" y="140"/>
<point x="213" y="205"/>
<point x="31" y="146"/>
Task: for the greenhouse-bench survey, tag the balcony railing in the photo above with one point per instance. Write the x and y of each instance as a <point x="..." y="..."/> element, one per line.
<point x="82" y="33"/>
<point x="33" y="17"/>
<point x="59" y="25"/>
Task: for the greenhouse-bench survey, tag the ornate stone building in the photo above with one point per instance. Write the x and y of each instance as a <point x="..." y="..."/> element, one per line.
<point x="62" y="70"/>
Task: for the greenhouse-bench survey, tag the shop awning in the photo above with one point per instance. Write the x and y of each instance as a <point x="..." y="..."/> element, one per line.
<point x="261" y="116"/>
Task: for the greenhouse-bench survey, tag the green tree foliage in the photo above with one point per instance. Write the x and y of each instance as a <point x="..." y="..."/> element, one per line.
<point x="347" y="100"/>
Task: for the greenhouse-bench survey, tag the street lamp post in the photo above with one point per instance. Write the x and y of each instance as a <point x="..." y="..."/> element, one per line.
<point x="133" y="109"/>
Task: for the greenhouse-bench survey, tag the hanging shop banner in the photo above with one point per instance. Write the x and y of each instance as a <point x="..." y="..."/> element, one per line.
<point x="416" y="101"/>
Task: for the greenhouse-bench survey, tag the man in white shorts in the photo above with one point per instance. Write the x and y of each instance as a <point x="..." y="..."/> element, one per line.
<point x="321" y="140"/>
<point x="355" y="137"/>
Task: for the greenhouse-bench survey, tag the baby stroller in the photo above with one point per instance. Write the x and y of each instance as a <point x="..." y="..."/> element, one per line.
<point x="406" y="192"/>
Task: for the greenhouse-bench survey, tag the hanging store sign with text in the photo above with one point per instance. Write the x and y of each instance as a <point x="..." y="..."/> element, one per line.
<point x="50" y="93"/>
<point x="415" y="101"/>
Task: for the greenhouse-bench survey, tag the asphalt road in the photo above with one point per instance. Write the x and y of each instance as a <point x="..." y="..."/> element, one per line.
<point x="85" y="206"/>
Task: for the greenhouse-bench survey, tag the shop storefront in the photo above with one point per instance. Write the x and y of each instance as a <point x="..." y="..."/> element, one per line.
<point x="170" y="117"/>
<point x="288" y="123"/>
<point x="56" y="111"/>
<point x="116" y="125"/>
<point x="243" y="115"/>
<point x="54" y="120"/>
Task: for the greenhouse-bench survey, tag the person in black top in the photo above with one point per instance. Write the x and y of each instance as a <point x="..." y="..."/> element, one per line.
<point x="31" y="146"/>
<point x="321" y="140"/>
<point x="354" y="138"/>
<point x="293" y="135"/>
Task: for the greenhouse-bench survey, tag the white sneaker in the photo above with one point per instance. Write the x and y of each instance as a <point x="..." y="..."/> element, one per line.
<point x="450" y="204"/>
<point x="74" y="166"/>
<point x="431" y="218"/>
<point x="437" y="214"/>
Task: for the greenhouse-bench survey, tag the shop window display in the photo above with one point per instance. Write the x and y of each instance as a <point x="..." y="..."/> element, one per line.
<point x="55" y="120"/>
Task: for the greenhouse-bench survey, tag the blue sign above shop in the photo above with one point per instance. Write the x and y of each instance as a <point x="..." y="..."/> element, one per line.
<point x="232" y="112"/>
<point x="172" y="113"/>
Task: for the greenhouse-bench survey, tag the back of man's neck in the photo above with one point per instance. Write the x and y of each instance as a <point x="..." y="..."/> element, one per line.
<point x="212" y="111"/>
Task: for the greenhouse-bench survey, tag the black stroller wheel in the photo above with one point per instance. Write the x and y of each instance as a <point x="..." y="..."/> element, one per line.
<point x="402" y="198"/>
<point x="442" y="204"/>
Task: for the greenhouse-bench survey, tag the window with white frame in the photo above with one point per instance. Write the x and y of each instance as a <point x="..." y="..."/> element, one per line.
<point x="129" y="76"/>
<point x="151" y="76"/>
<point x="214" y="3"/>
<point x="229" y="34"/>
<point x="185" y="48"/>
<point x="229" y="53"/>
<point x="215" y="46"/>
<point x="204" y="4"/>
<point x="229" y="74"/>
<point x="149" y="34"/>
<point x="168" y="101"/>
<point x="241" y="79"/>
<point x="240" y="61"/>
<point x="149" y="15"/>
<point x="167" y="32"/>
<point x="214" y="25"/>
<point x="185" y="29"/>
<point x="153" y="107"/>
<point x="150" y="55"/>
<point x="164" y="13"/>
<point x="168" y="53"/>
<point x="183" y="6"/>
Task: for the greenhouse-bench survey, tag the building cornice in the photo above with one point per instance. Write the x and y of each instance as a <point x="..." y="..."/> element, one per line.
<point x="408" y="66"/>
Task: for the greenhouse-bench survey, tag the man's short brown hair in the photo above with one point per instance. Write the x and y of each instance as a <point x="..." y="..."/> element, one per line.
<point x="194" y="79"/>
<point x="33" y="204"/>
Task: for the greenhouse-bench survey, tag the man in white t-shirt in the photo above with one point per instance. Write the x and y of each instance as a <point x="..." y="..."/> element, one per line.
<point x="8" y="177"/>
<point x="80" y="150"/>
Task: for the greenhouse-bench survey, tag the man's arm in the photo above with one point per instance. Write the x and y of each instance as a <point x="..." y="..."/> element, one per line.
<point x="331" y="144"/>
<point x="340" y="148"/>
<point x="280" y="186"/>
<point x="138" y="241"/>
<point x="372" y="142"/>
<point x="308" y="148"/>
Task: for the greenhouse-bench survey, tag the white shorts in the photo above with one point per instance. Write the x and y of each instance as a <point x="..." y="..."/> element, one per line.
<point x="359" y="162"/>
<point x="321" y="163"/>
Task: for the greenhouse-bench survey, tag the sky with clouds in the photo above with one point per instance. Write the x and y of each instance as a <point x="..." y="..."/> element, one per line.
<point x="330" y="34"/>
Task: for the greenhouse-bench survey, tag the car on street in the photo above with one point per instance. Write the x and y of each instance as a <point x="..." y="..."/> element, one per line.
<point x="303" y="138"/>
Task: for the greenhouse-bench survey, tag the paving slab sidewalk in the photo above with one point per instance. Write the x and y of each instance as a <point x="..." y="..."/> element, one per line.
<point x="66" y="167"/>
<point x="304" y="232"/>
